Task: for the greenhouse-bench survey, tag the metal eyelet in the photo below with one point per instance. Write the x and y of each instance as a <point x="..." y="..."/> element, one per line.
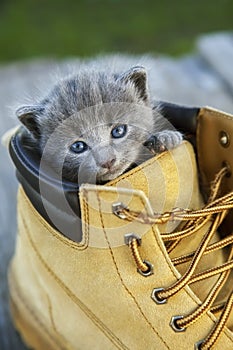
<point x="117" y="208"/>
<point x="155" y="297"/>
<point x="148" y="272"/>
<point x="198" y="345"/>
<point x="129" y="236"/>
<point x="224" y="138"/>
<point x="175" y="326"/>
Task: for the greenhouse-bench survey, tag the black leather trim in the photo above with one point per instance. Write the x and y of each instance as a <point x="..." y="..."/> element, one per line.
<point x="65" y="216"/>
<point x="182" y="117"/>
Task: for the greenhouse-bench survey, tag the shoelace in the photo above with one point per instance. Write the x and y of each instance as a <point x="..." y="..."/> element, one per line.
<point x="214" y="211"/>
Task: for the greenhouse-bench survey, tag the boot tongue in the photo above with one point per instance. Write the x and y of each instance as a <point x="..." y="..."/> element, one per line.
<point x="169" y="180"/>
<point x="165" y="182"/>
<point x="161" y="184"/>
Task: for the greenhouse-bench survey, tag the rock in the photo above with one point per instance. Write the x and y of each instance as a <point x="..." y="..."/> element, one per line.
<point x="217" y="51"/>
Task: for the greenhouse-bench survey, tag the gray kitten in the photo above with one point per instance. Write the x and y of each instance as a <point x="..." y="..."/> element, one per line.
<point x="94" y="126"/>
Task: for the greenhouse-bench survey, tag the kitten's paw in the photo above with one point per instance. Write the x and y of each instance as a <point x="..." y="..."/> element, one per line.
<point x="163" y="141"/>
<point x="168" y="139"/>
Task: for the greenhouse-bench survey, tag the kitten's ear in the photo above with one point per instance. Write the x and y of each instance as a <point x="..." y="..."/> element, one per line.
<point x="29" y="116"/>
<point x="138" y="76"/>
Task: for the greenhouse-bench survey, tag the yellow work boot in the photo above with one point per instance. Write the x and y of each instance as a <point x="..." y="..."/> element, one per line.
<point x="149" y="269"/>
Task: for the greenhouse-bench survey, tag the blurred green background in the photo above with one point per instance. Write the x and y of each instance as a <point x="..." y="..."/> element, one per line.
<point x="58" y="28"/>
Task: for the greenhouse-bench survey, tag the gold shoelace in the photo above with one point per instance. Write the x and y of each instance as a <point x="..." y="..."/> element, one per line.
<point x="214" y="211"/>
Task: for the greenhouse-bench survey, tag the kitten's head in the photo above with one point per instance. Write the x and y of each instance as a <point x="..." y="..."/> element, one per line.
<point x="92" y="127"/>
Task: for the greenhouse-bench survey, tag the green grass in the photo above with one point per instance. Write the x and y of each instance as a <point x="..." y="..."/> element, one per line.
<point x="58" y="28"/>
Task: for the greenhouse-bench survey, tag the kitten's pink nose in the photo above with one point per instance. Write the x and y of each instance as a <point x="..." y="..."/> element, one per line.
<point x="109" y="163"/>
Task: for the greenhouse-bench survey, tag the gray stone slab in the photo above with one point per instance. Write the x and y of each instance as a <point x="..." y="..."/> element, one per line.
<point x="217" y="50"/>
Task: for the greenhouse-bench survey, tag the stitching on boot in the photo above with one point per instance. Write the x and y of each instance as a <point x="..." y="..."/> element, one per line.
<point x="165" y="255"/>
<point x="40" y="324"/>
<point x="86" y="218"/>
<point x="60" y="336"/>
<point x="121" y="279"/>
<point x="101" y="326"/>
<point x="216" y="113"/>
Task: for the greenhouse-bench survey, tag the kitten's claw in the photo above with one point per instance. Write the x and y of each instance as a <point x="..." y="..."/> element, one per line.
<point x="164" y="140"/>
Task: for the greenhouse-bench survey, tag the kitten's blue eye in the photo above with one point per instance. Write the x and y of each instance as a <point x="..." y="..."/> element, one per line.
<point x="119" y="131"/>
<point x="78" y="147"/>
